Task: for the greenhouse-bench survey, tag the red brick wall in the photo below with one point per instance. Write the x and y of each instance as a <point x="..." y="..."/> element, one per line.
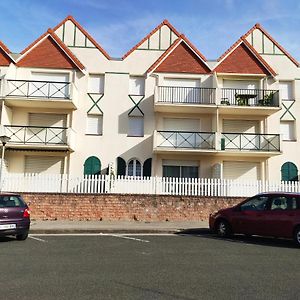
<point x="124" y="207"/>
<point x="183" y="60"/>
<point x="241" y="60"/>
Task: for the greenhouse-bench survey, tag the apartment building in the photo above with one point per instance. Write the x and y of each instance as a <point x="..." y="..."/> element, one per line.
<point x="162" y="109"/>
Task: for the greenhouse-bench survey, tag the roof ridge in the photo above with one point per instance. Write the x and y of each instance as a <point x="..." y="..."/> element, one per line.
<point x="164" y="22"/>
<point x="71" y="18"/>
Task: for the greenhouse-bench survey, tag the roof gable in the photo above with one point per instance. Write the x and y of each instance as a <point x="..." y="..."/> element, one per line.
<point x="160" y="39"/>
<point x="5" y="58"/>
<point x="264" y="43"/>
<point x="241" y="60"/>
<point x="181" y="57"/>
<point x="73" y="35"/>
<point x="48" y="52"/>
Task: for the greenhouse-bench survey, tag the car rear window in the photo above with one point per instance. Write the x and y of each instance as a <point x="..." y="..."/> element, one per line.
<point x="11" y="201"/>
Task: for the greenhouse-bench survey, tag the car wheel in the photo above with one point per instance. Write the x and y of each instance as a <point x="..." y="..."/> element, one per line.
<point x="223" y="228"/>
<point x="22" y="237"/>
<point x="297" y="236"/>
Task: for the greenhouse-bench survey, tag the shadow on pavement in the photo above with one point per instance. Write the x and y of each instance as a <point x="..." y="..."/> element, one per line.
<point x="240" y="238"/>
<point x="5" y="239"/>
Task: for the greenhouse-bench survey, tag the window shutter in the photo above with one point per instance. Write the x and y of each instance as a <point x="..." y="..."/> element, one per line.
<point x="94" y="124"/>
<point x="121" y="166"/>
<point x="147" y="167"/>
<point x="136" y="85"/>
<point x="289" y="172"/>
<point x="287" y="130"/>
<point x="135" y="126"/>
<point x="96" y="84"/>
<point x="92" y="166"/>
<point x="44" y="164"/>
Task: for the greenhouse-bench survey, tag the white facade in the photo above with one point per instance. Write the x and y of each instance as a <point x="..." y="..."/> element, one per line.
<point x="133" y="115"/>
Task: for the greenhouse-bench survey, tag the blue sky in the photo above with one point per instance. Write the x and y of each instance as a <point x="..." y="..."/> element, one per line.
<point x="117" y="25"/>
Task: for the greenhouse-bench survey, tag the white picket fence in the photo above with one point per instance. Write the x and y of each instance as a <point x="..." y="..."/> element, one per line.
<point x="140" y="185"/>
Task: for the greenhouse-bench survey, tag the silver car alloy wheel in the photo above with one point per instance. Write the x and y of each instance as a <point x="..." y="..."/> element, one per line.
<point x="222" y="228"/>
<point x="298" y="236"/>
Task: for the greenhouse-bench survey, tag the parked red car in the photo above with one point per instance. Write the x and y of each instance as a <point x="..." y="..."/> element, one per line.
<point x="268" y="214"/>
<point x="14" y="216"/>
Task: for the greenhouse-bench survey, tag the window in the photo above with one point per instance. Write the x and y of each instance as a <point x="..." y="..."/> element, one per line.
<point x="286" y="90"/>
<point x="256" y="204"/>
<point x="11" y="201"/>
<point x="279" y="203"/>
<point x="94" y="124"/>
<point x="96" y="84"/>
<point x="287" y="130"/>
<point x="180" y="171"/>
<point x="135" y="126"/>
<point x="134" y="168"/>
<point x="136" y="85"/>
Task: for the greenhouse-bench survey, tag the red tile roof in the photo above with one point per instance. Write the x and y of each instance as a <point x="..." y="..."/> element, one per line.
<point x="165" y="22"/>
<point x="70" y="18"/>
<point x="181" y="65"/>
<point x="5" y="58"/>
<point x="242" y="60"/>
<point x="50" y="52"/>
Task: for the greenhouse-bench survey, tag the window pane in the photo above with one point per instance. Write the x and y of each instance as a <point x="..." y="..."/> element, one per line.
<point x="279" y="203"/>
<point x="138" y="168"/>
<point x="171" y="171"/>
<point x="189" y="172"/>
<point x="130" y="168"/>
<point x="257" y="203"/>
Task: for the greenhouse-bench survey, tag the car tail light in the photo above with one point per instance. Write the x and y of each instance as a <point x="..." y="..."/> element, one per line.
<point x="26" y="213"/>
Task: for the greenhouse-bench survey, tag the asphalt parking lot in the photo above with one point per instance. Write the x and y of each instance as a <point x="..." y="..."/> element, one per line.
<point x="196" y="265"/>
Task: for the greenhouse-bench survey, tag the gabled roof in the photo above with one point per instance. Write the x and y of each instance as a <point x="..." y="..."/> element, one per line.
<point x="49" y="36"/>
<point x="5" y="57"/>
<point x="180" y="40"/>
<point x="165" y="22"/>
<point x="70" y="18"/>
<point x="259" y="27"/>
<point x="242" y="42"/>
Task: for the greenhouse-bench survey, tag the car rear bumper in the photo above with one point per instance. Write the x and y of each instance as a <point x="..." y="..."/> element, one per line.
<point x="22" y="227"/>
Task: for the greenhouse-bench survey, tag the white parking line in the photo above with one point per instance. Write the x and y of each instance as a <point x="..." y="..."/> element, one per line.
<point x="37" y="239"/>
<point x="125" y="237"/>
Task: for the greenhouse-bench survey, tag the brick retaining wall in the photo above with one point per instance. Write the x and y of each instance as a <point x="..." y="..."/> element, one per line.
<point x="123" y="207"/>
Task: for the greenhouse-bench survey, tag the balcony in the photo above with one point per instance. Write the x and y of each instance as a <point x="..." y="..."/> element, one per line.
<point x="264" y="102"/>
<point x="43" y="94"/>
<point x="184" y="141"/>
<point x="36" y="137"/>
<point x="261" y="144"/>
<point x="184" y="99"/>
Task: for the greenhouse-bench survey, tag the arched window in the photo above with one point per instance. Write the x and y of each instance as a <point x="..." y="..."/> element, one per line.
<point x="289" y="172"/>
<point x="134" y="168"/>
<point x="92" y="166"/>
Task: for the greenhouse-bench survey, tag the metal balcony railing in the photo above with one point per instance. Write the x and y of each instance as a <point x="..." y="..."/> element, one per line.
<point x="250" y="142"/>
<point x="249" y="97"/>
<point x="37" y="135"/>
<point x="38" y="89"/>
<point x="185" y="139"/>
<point x="186" y="95"/>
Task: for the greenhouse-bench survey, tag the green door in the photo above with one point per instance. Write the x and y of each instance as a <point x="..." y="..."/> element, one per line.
<point x="92" y="166"/>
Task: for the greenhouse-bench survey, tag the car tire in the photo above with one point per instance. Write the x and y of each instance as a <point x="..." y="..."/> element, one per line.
<point x="297" y="236"/>
<point x="223" y="228"/>
<point x="22" y="237"/>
